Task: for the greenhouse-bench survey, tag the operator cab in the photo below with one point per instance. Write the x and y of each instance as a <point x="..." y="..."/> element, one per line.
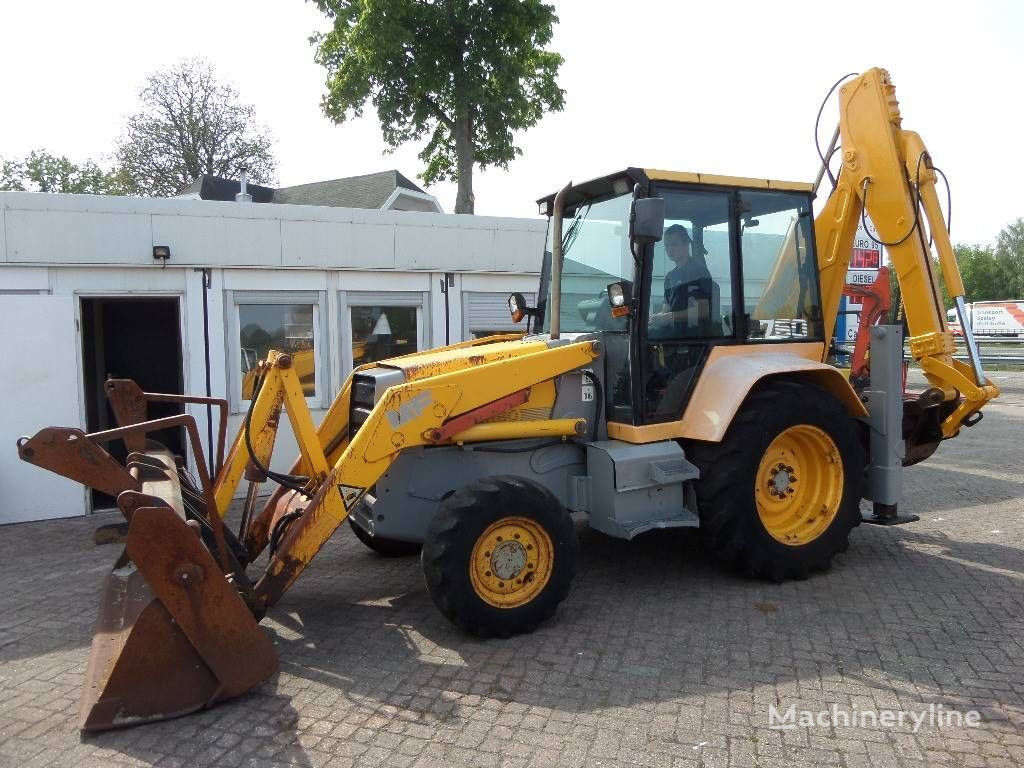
<point x="733" y="264"/>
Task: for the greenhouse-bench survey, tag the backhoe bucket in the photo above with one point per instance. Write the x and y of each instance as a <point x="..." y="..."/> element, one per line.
<point x="173" y="635"/>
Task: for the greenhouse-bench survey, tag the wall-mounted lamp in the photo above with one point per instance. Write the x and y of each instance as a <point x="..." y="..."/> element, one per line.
<point x="162" y="253"/>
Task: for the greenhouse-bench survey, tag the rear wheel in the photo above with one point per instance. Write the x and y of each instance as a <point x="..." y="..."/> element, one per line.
<point x="780" y="494"/>
<point x="385" y="547"/>
<point x="499" y="556"/>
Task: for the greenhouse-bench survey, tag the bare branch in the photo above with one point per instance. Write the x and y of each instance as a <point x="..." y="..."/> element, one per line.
<point x="190" y="124"/>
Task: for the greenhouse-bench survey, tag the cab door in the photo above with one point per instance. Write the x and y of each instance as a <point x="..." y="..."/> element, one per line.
<point x="688" y="298"/>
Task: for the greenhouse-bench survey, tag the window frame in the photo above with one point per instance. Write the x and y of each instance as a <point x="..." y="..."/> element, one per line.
<point x="738" y="336"/>
<point x="812" y="252"/>
<point x="233" y="352"/>
<point x="542" y="322"/>
<point x="348" y="299"/>
<point x="735" y="268"/>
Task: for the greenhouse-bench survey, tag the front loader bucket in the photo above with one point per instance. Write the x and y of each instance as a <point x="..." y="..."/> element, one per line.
<point x="119" y="683"/>
<point x="173" y="635"/>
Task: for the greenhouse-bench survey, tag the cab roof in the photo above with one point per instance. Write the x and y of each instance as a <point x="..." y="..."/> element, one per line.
<point x="630" y="176"/>
<point x="728" y="181"/>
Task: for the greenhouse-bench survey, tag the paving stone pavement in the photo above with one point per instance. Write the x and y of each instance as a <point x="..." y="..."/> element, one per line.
<point x="658" y="658"/>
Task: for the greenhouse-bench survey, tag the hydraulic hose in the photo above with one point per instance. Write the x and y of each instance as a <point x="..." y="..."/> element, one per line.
<point x="291" y="482"/>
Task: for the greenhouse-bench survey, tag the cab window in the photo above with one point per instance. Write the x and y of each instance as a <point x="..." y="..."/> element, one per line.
<point x="691" y="276"/>
<point x="595" y="253"/>
<point x="780" y="278"/>
<point x="691" y="302"/>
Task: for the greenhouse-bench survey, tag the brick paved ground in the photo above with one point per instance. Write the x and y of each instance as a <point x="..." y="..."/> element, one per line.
<point x="658" y="657"/>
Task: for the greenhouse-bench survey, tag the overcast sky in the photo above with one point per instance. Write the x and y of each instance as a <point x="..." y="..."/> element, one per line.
<point x="718" y="87"/>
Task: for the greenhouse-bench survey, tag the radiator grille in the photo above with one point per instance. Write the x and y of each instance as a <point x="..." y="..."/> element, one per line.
<point x="363" y="392"/>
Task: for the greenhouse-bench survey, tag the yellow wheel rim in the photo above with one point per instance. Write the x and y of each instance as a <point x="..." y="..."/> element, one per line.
<point x="511" y="562"/>
<point x="799" y="485"/>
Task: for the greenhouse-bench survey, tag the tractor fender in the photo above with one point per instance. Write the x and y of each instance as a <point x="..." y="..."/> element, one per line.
<point x="731" y="372"/>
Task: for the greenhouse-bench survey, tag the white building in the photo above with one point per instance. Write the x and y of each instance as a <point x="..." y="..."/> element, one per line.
<point x="83" y="296"/>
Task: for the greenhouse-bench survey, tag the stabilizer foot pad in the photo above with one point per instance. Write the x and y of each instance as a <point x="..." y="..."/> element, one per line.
<point x="897" y="519"/>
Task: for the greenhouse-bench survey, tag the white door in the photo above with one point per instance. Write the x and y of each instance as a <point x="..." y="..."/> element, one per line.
<point x="38" y="388"/>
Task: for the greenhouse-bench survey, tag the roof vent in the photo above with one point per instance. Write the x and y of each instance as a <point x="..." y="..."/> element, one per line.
<point x="243" y="196"/>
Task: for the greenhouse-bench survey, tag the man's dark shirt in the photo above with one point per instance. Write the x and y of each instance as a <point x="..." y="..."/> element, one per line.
<point x="683" y="280"/>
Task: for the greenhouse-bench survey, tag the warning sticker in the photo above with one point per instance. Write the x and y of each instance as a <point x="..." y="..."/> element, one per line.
<point x="587" y="392"/>
<point x="350" y="494"/>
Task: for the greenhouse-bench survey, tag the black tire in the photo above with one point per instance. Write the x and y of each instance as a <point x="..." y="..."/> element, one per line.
<point x="385" y="547"/>
<point x="466" y="516"/>
<point x="728" y="511"/>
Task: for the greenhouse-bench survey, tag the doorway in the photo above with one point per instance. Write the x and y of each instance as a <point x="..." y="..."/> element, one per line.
<point x="131" y="338"/>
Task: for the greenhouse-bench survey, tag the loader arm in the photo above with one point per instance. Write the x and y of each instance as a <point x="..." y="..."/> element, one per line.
<point x="332" y="435"/>
<point x="409" y="415"/>
<point x="177" y="629"/>
<point x="887" y="173"/>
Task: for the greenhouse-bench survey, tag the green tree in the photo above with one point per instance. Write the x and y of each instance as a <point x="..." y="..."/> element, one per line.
<point x="191" y="124"/>
<point x="981" y="273"/>
<point x="40" y="171"/>
<point x="1009" y="255"/>
<point x="465" y="73"/>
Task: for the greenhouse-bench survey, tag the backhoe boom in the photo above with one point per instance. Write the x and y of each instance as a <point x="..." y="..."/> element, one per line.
<point x="887" y="172"/>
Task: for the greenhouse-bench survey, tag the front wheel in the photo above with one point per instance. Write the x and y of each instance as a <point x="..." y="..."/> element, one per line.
<point x="780" y="494"/>
<point x="499" y="556"/>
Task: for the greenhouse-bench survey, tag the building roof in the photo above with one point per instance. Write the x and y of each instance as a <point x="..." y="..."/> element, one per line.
<point x="371" y="190"/>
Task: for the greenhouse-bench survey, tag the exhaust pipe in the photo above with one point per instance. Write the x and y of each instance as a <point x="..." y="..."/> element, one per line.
<point x="556" y="261"/>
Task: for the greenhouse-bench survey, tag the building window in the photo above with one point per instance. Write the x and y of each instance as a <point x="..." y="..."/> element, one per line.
<point x="284" y="327"/>
<point x="380" y="332"/>
<point x="288" y="321"/>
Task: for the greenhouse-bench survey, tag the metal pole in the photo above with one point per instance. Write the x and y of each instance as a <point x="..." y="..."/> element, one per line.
<point x="556" y="261"/>
<point x="447" y="313"/>
<point x="972" y="345"/>
<point x="884" y="400"/>
<point x="207" y="281"/>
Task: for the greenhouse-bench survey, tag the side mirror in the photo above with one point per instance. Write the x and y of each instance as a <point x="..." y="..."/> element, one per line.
<point x="517" y="307"/>
<point x="647" y="220"/>
<point x="620" y="297"/>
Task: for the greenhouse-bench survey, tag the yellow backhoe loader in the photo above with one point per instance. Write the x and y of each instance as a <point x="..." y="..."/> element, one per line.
<point x="675" y="375"/>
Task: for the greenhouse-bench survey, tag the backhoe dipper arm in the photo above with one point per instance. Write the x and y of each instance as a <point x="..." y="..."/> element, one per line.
<point x="887" y="171"/>
<point x="408" y="415"/>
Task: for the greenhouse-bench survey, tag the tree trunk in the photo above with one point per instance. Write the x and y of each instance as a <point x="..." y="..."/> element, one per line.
<point x="464" y="162"/>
